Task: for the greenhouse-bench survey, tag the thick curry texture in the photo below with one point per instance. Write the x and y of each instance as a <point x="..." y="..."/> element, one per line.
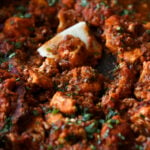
<point x="66" y="103"/>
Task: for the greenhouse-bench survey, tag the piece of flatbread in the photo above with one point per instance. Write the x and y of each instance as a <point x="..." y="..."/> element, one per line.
<point x="79" y="30"/>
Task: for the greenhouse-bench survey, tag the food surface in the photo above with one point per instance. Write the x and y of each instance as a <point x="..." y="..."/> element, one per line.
<point x="75" y="75"/>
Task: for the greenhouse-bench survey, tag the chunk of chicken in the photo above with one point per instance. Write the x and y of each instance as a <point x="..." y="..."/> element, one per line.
<point x="72" y="52"/>
<point x="49" y="67"/>
<point x="68" y="3"/>
<point x="82" y="79"/>
<point x="66" y="18"/>
<point x="94" y="12"/>
<point x="111" y="39"/>
<point x="142" y="89"/>
<point x="36" y="129"/>
<point x="140" y="117"/>
<point x="54" y="118"/>
<point x="63" y="103"/>
<point x="131" y="56"/>
<point x="38" y="7"/>
<point x="39" y="79"/>
<point x="17" y="27"/>
<point x="119" y="133"/>
<point x="120" y="88"/>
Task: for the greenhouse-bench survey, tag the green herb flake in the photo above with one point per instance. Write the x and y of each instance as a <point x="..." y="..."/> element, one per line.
<point x="106" y="133"/>
<point x="28" y="88"/>
<point x="27" y="15"/>
<point x="10" y="66"/>
<point x="52" y="2"/>
<point x="91" y="128"/>
<point x="92" y="147"/>
<point x="115" y="2"/>
<point x="86" y="117"/>
<point x="102" y="3"/>
<point x="31" y="29"/>
<point x="102" y="121"/>
<point x="126" y="12"/>
<point x="50" y="147"/>
<point x="139" y="147"/>
<point x="55" y="127"/>
<point x="12" y="22"/>
<point x="110" y="126"/>
<point x="7" y="126"/>
<point x="113" y="121"/>
<point x="119" y="29"/>
<point x="84" y="3"/>
<point x="96" y="53"/>
<point x="18" y="45"/>
<point x="98" y="139"/>
<point x="11" y="55"/>
<point x="17" y="79"/>
<point x="21" y="8"/>
<point x="110" y="114"/>
<point x="22" y="15"/>
<point x="46" y="111"/>
<point x="142" y="116"/>
<point x="148" y="31"/>
<point x="54" y="111"/>
<point x="121" y="136"/>
<point x="35" y="112"/>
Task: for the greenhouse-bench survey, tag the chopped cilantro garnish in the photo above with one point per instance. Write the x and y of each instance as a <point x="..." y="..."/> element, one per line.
<point x="48" y="110"/>
<point x="52" y="2"/>
<point x="113" y="121"/>
<point x="106" y="133"/>
<point x="28" y="88"/>
<point x="111" y="114"/>
<point x="35" y="112"/>
<point x="148" y="31"/>
<point x="10" y="66"/>
<point x="27" y="15"/>
<point x="84" y="3"/>
<point x="50" y="147"/>
<point x="92" y="147"/>
<point x="21" y="9"/>
<point x="126" y="12"/>
<point x="11" y="55"/>
<point x="17" y="45"/>
<point x="22" y="15"/>
<point x="7" y="126"/>
<point x="17" y="79"/>
<point x="119" y="29"/>
<point x="54" y="111"/>
<point x="86" y="116"/>
<point x="121" y="136"/>
<point x="139" y="147"/>
<point x="142" y="116"/>
<point x="91" y="128"/>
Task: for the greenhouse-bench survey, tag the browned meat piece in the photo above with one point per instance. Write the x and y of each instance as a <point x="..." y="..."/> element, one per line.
<point x="38" y="7"/>
<point x="81" y="79"/>
<point x="39" y="80"/>
<point x="119" y="133"/>
<point x="120" y="88"/>
<point x="64" y="19"/>
<point x="94" y="12"/>
<point x="72" y="52"/>
<point x="68" y="3"/>
<point x="17" y="27"/>
<point x="140" y="116"/>
<point x="64" y="103"/>
<point x="142" y="89"/>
